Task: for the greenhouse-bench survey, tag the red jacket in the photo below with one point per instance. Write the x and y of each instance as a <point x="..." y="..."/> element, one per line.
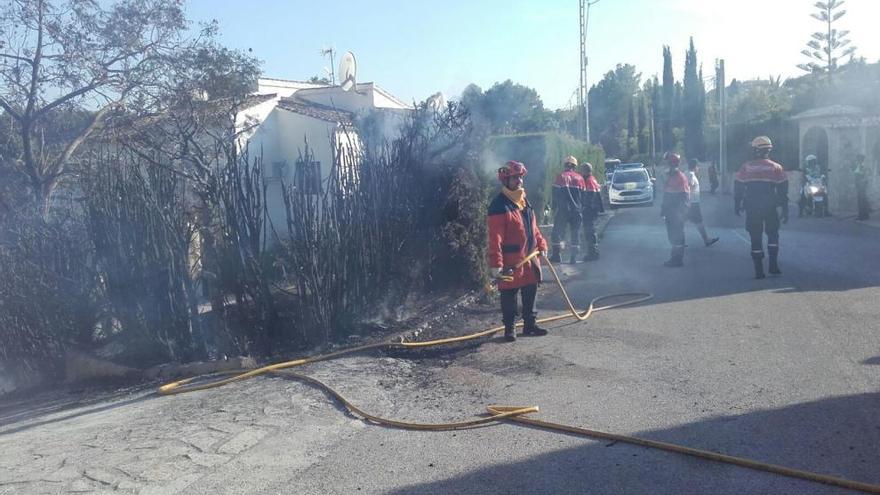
<point x="760" y="185"/>
<point x="568" y="191"/>
<point x="514" y="234"/>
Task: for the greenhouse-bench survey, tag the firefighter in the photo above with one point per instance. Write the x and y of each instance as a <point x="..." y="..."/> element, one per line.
<point x="761" y="187"/>
<point x="514" y="234"/>
<point x="568" y="191"/>
<point x="674" y="208"/>
<point x="591" y="207"/>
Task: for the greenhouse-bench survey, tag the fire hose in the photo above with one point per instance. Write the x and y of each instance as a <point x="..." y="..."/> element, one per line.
<point x="516" y="414"/>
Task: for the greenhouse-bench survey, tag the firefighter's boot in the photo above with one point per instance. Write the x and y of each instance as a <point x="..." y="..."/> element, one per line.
<point x="531" y="328"/>
<point x="554" y="254"/>
<point x="758" y="261"/>
<point x="676" y="257"/>
<point x="592" y="254"/>
<point x="509" y="333"/>
<point x="774" y="260"/>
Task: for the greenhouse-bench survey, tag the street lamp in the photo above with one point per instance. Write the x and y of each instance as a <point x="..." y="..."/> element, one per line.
<point x="583" y="93"/>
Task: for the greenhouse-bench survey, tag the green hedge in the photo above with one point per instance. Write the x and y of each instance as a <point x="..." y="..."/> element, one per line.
<point x="542" y="153"/>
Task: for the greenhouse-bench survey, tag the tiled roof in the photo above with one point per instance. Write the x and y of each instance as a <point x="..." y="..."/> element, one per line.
<point x="316" y="111"/>
<point x="829" y="111"/>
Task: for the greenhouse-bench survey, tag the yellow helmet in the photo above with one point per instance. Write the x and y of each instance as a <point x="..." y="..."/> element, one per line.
<point x="570" y="160"/>
<point x="762" y="142"/>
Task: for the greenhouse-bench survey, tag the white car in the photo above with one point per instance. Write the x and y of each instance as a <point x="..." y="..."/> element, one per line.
<point x="631" y="187"/>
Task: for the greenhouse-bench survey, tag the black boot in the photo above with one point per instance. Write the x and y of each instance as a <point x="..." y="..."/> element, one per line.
<point x="676" y="258"/>
<point x="574" y="254"/>
<point x="774" y="261"/>
<point x="509" y="333"/>
<point x="592" y="254"/>
<point x="531" y="328"/>
<point x="554" y="256"/>
<point x="758" y="261"/>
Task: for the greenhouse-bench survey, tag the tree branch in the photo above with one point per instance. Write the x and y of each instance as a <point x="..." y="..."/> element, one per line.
<point x="8" y="108"/>
<point x="17" y="57"/>
<point x="69" y="96"/>
<point x="58" y="164"/>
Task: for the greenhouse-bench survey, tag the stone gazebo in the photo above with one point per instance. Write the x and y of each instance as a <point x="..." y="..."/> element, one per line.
<point x="836" y="134"/>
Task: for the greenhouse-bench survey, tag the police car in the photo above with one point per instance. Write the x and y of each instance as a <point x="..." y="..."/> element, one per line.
<point x="630" y="184"/>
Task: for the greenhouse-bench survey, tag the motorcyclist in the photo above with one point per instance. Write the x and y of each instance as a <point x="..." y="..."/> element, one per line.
<point x="811" y="172"/>
<point x="568" y="192"/>
<point x="761" y="187"/>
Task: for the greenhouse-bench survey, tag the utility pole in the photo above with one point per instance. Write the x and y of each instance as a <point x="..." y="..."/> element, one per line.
<point x="583" y="93"/>
<point x="332" y="72"/>
<point x="721" y="88"/>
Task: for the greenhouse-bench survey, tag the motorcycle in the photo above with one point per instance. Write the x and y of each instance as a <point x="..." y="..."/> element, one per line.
<point x="814" y="197"/>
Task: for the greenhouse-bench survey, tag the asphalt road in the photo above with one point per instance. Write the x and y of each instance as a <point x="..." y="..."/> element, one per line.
<point x="784" y="370"/>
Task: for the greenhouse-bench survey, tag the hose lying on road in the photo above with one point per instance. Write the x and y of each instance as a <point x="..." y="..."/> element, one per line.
<point x="515" y="414"/>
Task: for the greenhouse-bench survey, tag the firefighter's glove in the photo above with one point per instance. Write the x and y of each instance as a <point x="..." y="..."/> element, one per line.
<point x="494" y="273"/>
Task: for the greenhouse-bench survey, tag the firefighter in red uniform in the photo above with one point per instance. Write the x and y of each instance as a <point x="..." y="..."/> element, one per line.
<point x="568" y="192"/>
<point x="674" y="208"/>
<point x="513" y="235"/>
<point x="761" y="187"/>
<point x="591" y="207"/>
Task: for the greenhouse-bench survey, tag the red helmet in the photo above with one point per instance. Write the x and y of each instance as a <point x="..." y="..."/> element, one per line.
<point x="511" y="169"/>
<point x="672" y="158"/>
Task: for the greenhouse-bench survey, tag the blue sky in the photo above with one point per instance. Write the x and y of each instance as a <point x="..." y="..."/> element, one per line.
<point x="414" y="49"/>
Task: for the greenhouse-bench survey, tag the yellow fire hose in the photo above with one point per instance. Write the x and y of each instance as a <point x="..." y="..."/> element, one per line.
<point x="515" y="414"/>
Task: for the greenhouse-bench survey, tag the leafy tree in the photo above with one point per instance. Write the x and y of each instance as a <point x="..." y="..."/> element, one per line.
<point x="758" y="100"/>
<point x="92" y="60"/>
<point x="506" y="108"/>
<point x="319" y="80"/>
<point x="829" y="45"/>
<point x="609" y="106"/>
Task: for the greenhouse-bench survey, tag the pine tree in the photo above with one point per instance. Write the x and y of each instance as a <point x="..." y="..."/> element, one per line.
<point x="656" y="116"/>
<point x="692" y="105"/>
<point x="667" y="102"/>
<point x="827" y="46"/>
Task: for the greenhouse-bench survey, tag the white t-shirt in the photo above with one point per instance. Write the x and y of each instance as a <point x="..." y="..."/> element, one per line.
<point x="694" y="184"/>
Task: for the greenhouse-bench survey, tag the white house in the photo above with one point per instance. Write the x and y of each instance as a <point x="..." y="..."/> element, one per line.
<point x="289" y="114"/>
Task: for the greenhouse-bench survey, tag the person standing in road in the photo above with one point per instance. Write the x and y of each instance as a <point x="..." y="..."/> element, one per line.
<point x="860" y="173"/>
<point x="674" y="208"/>
<point x="761" y="187"/>
<point x="568" y="192"/>
<point x="695" y="215"/>
<point x="592" y="206"/>
<point x="713" y="178"/>
<point x="513" y="235"/>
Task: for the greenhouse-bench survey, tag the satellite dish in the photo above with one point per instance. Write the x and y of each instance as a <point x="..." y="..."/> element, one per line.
<point x="347" y="71"/>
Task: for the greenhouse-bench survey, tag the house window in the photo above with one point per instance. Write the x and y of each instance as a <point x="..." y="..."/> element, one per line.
<point x="279" y="169"/>
<point x="308" y="177"/>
